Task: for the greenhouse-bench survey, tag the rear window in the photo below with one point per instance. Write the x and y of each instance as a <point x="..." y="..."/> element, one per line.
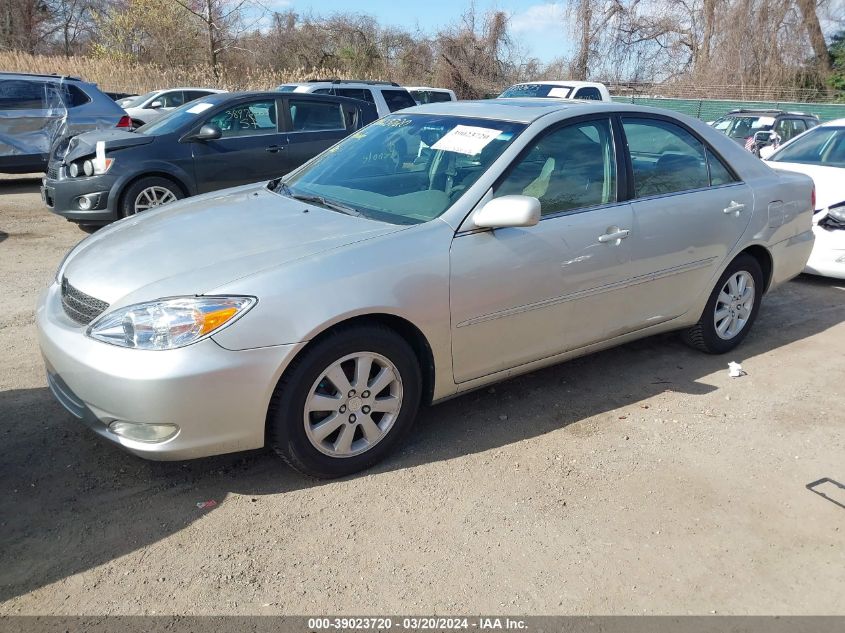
<point x="398" y="99"/>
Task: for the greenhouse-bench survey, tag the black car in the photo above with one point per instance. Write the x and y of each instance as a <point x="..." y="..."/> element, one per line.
<point x="773" y="126"/>
<point x="220" y="141"/>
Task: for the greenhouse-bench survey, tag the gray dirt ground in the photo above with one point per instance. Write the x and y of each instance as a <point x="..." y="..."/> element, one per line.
<point x="638" y="480"/>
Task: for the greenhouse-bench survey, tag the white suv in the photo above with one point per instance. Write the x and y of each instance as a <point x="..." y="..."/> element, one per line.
<point x="385" y="95"/>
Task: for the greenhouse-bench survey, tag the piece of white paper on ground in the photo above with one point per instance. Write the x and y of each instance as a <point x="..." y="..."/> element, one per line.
<point x="199" y="108"/>
<point x="735" y="370"/>
<point x="466" y="139"/>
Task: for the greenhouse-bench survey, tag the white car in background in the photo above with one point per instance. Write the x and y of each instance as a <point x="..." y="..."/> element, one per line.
<point x="588" y="90"/>
<point x="424" y="94"/>
<point x="154" y="105"/>
<point x="820" y="154"/>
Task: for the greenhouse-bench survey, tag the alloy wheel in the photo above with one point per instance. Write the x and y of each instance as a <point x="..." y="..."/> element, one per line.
<point x="734" y="305"/>
<point x="151" y="197"/>
<point x="353" y="404"/>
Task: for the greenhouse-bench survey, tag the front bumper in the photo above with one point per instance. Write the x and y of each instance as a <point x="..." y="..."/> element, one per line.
<point x="218" y="398"/>
<point x="828" y="256"/>
<point x="61" y="195"/>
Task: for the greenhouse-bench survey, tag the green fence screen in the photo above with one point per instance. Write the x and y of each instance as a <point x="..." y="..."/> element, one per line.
<point x="711" y="109"/>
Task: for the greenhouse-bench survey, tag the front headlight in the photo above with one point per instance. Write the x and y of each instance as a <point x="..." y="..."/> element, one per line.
<point x="837" y="213"/>
<point x="168" y="323"/>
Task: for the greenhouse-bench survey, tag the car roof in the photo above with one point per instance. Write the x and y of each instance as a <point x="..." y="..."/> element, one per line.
<point x="427" y="88"/>
<point x="517" y="109"/>
<point x="833" y="123"/>
<point x="214" y="90"/>
<point x="772" y="111"/>
<point x="565" y="82"/>
<point x="39" y="76"/>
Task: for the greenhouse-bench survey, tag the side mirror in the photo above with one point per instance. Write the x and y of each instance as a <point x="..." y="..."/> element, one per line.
<point x="208" y="132"/>
<point x="155" y="105"/>
<point x="508" y="211"/>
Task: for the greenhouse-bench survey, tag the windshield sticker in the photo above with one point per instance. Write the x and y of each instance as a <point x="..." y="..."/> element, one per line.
<point x="763" y="121"/>
<point x="466" y="139"/>
<point x="393" y="122"/>
<point x="200" y="108"/>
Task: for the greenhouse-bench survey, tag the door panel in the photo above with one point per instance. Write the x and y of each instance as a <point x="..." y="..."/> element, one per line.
<point x="689" y="214"/>
<point x="521" y="294"/>
<point x="313" y="126"/>
<point x="251" y="149"/>
<point x="682" y="240"/>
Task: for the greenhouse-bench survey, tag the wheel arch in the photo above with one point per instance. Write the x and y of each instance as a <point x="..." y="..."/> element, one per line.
<point x="401" y="326"/>
<point x="764" y="258"/>
<point x="155" y="173"/>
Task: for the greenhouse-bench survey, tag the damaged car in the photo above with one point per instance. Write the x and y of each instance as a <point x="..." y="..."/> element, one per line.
<point x="36" y="110"/>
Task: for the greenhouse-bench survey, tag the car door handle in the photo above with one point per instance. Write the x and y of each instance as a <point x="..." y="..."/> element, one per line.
<point x="733" y="207"/>
<point x="274" y="148"/>
<point x="621" y="234"/>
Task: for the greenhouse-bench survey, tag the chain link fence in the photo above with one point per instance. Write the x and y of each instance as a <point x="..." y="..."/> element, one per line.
<point x="712" y="109"/>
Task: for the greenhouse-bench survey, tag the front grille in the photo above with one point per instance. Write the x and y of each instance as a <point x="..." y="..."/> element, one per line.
<point x="79" y="306"/>
<point x="53" y="171"/>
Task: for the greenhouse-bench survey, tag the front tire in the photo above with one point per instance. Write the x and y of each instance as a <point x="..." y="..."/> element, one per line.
<point x="148" y="193"/>
<point x="731" y="309"/>
<point x="346" y="403"/>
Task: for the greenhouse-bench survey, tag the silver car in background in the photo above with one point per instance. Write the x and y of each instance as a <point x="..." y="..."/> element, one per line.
<point x="438" y="250"/>
<point x="37" y="110"/>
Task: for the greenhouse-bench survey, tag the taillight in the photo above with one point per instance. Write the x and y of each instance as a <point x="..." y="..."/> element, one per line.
<point x="813" y="200"/>
<point x="125" y="121"/>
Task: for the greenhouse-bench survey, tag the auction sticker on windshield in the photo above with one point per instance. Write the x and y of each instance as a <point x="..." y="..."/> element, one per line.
<point x="199" y="108"/>
<point x="466" y="139"/>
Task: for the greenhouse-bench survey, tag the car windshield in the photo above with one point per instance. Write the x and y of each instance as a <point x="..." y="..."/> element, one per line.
<point x="134" y="102"/>
<point x="404" y="169"/>
<point x="742" y="127"/>
<point x="174" y="120"/>
<point x="537" y="90"/>
<point x="823" y="145"/>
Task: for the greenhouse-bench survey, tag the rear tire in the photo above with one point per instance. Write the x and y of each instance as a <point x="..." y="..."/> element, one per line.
<point x="731" y="309"/>
<point x="147" y="193"/>
<point x="346" y="402"/>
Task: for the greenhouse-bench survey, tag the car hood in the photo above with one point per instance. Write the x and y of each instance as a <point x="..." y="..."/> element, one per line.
<point x="201" y="243"/>
<point x="86" y="144"/>
<point x="828" y="180"/>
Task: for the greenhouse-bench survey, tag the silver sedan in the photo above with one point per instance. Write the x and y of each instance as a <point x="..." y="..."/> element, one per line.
<point x="440" y="249"/>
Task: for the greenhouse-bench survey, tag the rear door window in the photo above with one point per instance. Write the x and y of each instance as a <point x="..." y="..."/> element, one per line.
<point x="190" y="95"/>
<point x="665" y="157"/>
<point x="361" y="94"/>
<point x="398" y="99"/>
<point x="16" y="94"/>
<point x="315" y="116"/>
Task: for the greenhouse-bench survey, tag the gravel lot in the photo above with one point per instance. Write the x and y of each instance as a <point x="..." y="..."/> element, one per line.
<point x="638" y="480"/>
